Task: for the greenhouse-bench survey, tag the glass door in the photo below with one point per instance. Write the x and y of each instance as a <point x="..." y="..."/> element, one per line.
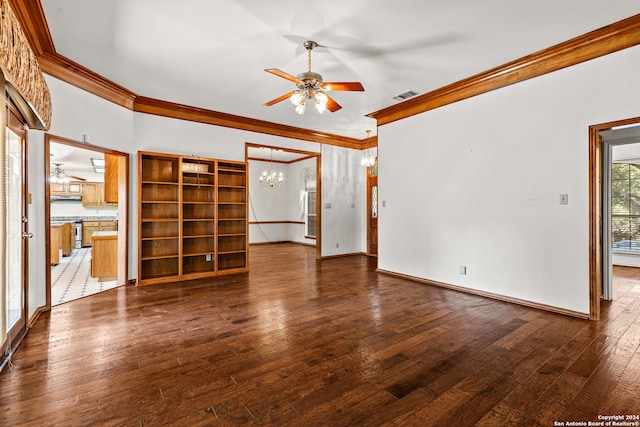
<point x="17" y="234"/>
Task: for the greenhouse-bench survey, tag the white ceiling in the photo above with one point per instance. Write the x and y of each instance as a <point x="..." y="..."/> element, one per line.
<point x="212" y="54"/>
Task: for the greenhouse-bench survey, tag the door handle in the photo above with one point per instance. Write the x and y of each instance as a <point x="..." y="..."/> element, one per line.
<point x="26" y="235"/>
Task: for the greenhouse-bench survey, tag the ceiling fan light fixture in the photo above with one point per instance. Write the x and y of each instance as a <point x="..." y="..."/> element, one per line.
<point x="58" y="176"/>
<point x="311" y="85"/>
<point x="321" y="101"/>
<point x="297" y="98"/>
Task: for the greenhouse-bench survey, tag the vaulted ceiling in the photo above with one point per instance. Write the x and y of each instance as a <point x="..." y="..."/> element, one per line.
<point x="211" y="55"/>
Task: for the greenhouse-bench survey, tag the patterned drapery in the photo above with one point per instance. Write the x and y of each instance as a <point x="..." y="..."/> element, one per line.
<point x="20" y="66"/>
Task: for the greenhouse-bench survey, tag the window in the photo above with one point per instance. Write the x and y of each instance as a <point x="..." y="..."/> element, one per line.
<point x="310" y="214"/>
<point x="625" y="207"/>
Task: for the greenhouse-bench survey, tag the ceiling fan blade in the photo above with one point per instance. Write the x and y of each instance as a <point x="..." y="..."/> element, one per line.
<point x="77" y="178"/>
<point x="278" y="99"/>
<point x="351" y="86"/>
<point x="332" y="105"/>
<point x="282" y="74"/>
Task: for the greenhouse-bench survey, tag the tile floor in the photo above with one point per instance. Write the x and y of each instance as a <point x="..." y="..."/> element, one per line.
<point x="71" y="278"/>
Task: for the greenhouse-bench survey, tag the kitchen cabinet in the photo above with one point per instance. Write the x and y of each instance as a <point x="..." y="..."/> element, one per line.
<point x="67" y="238"/>
<point x="91" y="227"/>
<point x="111" y="178"/>
<point x="104" y="255"/>
<point x="66" y="189"/>
<point x="56" y="244"/>
<point x="93" y="195"/>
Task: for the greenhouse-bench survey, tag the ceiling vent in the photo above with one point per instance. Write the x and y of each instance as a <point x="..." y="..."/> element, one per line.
<point x="406" y="95"/>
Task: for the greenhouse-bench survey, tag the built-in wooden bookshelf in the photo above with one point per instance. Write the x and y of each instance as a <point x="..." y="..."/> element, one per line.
<point x="193" y="217"/>
<point x="232" y="215"/>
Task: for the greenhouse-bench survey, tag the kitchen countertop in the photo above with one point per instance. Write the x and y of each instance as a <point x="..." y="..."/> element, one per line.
<point x="104" y="235"/>
<point x="82" y="218"/>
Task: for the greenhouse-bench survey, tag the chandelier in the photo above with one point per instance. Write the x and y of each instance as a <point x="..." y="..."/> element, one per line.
<point x="58" y="176"/>
<point x="309" y="87"/>
<point x="368" y="159"/>
<point x="272" y="178"/>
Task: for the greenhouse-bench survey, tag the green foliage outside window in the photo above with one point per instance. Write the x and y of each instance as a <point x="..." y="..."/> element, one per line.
<point x="625" y="206"/>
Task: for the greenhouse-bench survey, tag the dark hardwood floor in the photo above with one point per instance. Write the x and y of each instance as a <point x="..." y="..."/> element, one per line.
<point x="330" y="343"/>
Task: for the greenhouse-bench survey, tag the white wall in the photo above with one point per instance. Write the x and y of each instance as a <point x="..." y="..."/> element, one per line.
<point x="477" y="183"/>
<point x="77" y="113"/>
<point x="296" y="199"/>
<point x="268" y="204"/>
<point x="344" y="200"/>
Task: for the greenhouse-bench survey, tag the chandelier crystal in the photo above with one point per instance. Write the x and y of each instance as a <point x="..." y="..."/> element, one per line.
<point x="368" y="159"/>
<point x="272" y="177"/>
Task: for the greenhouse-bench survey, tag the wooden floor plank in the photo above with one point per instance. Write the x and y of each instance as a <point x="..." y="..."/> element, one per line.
<point x="298" y="341"/>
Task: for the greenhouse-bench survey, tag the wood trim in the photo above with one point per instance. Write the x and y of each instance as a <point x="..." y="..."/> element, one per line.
<point x="34" y="25"/>
<point x="123" y="205"/>
<point x="490" y="295"/>
<point x="284" y="162"/>
<point x="75" y="74"/>
<point x="84" y="145"/>
<point x="282" y="241"/>
<point x="595" y="223"/>
<point x="201" y="115"/>
<point x="603" y="41"/>
<point x="275" y="222"/>
<point x="595" y="213"/>
<point x="370" y="142"/>
<point x="310" y="154"/>
<point x="36" y="315"/>
<point x="344" y="255"/>
<point x="255" y="159"/>
<point x="47" y="221"/>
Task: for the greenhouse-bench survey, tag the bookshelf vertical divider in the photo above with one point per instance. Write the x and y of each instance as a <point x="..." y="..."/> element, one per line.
<point x="192" y="217"/>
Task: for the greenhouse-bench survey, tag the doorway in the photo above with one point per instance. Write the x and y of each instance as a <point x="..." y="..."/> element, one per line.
<point x="600" y="233"/>
<point x="86" y="219"/>
<point x="277" y="223"/>
<point x="16" y="280"/>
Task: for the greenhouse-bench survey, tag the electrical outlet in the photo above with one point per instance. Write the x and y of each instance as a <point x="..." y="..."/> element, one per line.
<point x="564" y="199"/>
<point x="207" y="257"/>
<point x="463" y="269"/>
<point x="337" y="245"/>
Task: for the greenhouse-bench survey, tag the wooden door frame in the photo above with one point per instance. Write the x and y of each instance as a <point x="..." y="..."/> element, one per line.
<point x="309" y="154"/>
<point x="596" y="213"/>
<point x="123" y="211"/>
<point x="369" y="237"/>
<point x="15" y="121"/>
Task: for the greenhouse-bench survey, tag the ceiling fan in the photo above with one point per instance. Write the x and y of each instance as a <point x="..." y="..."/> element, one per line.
<point x="59" y="176"/>
<point x="312" y="87"/>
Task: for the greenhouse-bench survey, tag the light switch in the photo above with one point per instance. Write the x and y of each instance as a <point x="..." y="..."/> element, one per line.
<point x="564" y="199"/>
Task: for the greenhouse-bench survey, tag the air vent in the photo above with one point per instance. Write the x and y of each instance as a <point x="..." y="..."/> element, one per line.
<point x="406" y="95"/>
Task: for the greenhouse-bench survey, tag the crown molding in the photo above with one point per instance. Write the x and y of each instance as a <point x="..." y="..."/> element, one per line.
<point x="370" y="142"/>
<point x="612" y="38"/>
<point x="34" y="25"/>
<point x="75" y="74"/>
<point x="158" y="107"/>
